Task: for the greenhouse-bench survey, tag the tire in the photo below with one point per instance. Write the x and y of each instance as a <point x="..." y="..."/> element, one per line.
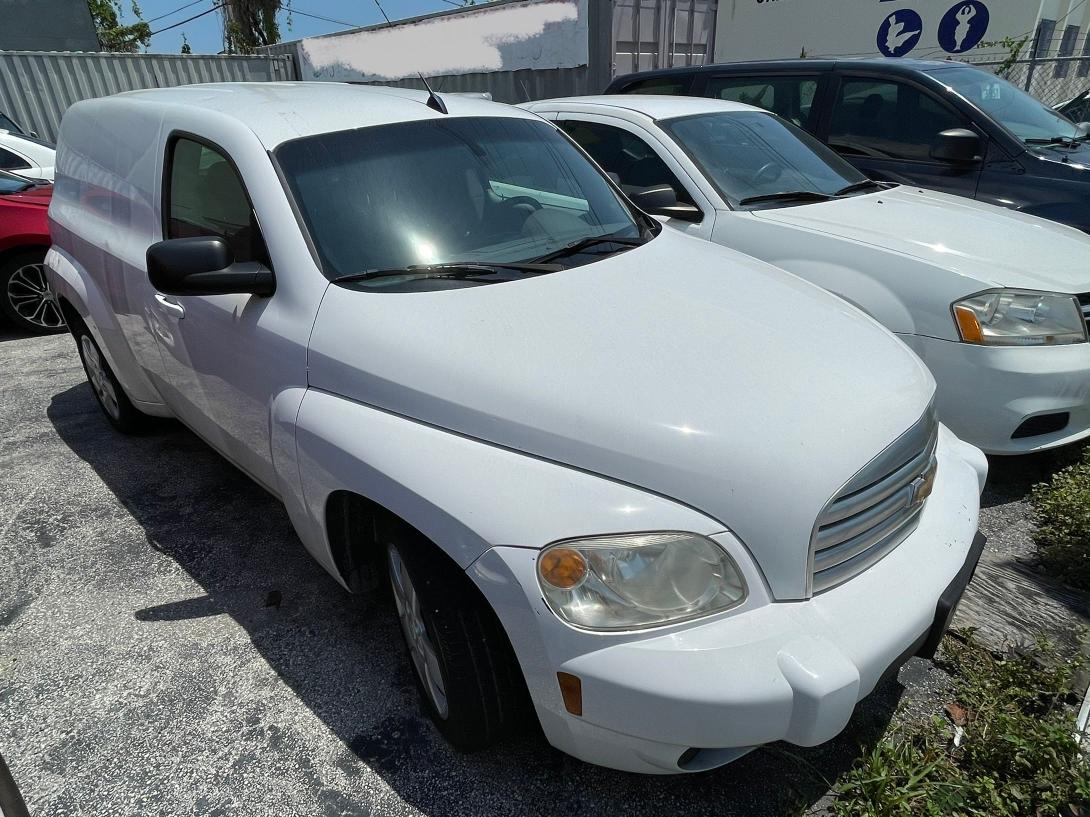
<point x="465" y="670"/>
<point x="25" y="299"/>
<point x="109" y="394"/>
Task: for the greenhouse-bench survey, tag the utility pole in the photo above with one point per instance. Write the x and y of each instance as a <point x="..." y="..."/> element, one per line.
<point x="230" y="25"/>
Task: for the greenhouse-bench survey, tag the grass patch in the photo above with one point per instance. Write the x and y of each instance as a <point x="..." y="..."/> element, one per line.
<point x="1061" y="509"/>
<point x="1013" y="716"/>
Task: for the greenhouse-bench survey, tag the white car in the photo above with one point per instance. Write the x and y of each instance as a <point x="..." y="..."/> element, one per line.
<point x="994" y="301"/>
<point x="26" y="155"/>
<point x="600" y="464"/>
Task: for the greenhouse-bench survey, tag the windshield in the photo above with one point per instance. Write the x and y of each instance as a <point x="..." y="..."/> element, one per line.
<point x="446" y="191"/>
<point x="10" y="183"/>
<point x="1021" y="114"/>
<point x="749" y="154"/>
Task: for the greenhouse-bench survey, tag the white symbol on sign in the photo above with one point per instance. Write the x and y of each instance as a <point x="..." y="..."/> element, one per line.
<point x="896" y="35"/>
<point x="964" y="15"/>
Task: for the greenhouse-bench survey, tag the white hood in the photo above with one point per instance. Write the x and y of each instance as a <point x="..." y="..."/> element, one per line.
<point x="992" y="245"/>
<point x="679" y="367"/>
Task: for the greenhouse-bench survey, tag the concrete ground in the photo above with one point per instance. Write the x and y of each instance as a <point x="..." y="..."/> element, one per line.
<point x="168" y="648"/>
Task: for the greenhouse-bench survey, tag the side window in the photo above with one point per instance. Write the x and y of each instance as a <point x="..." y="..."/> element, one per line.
<point x="888" y="120"/>
<point x="791" y="98"/>
<point x="207" y="198"/>
<point x="617" y="151"/>
<point x="669" y="86"/>
<point x="12" y="161"/>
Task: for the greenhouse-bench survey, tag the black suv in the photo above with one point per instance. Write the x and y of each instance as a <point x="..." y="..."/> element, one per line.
<point x="944" y="125"/>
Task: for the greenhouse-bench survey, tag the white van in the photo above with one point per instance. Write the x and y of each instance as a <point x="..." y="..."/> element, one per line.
<point x="606" y="474"/>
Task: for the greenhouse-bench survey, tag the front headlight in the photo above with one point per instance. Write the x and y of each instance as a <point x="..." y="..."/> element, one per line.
<point x="638" y="580"/>
<point x="1006" y="317"/>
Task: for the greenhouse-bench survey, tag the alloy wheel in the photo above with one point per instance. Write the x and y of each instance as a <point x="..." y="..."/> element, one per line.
<point x="30" y="298"/>
<point x="100" y="380"/>
<point x="423" y="652"/>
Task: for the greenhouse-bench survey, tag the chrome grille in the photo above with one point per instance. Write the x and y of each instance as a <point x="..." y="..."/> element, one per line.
<point x="1084" y="304"/>
<point x="876" y="510"/>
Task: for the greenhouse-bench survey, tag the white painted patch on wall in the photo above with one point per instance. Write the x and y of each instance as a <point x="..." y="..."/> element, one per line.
<point x="538" y="34"/>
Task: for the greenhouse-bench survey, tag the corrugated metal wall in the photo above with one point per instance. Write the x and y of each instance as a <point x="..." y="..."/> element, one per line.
<point x="37" y="87"/>
<point x="650" y="34"/>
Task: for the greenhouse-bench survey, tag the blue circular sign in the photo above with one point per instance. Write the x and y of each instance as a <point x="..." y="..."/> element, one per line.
<point x="899" y="33"/>
<point x="963" y="27"/>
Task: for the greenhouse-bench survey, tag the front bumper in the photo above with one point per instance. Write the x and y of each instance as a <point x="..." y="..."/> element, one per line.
<point x="764" y="672"/>
<point x="986" y="392"/>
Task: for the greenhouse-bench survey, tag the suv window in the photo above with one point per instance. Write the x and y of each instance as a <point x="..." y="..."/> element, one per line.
<point x="888" y="120"/>
<point x="629" y="157"/>
<point x="207" y="197"/>
<point x="12" y="161"/>
<point x="669" y="86"/>
<point x="791" y="98"/>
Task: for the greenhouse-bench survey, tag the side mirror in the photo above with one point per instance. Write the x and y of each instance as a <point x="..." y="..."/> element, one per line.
<point x="662" y="200"/>
<point x="205" y="265"/>
<point x="1084" y="128"/>
<point x="958" y="145"/>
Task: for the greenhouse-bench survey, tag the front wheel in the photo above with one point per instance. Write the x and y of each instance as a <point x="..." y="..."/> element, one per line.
<point x="466" y="672"/>
<point x="25" y="298"/>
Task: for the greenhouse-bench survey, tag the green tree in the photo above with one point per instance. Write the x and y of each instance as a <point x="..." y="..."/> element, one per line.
<point x="113" y="34"/>
<point x="186" y="48"/>
<point x="251" y="23"/>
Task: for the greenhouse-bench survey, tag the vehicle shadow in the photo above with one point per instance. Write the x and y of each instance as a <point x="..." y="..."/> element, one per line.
<point x="8" y="332"/>
<point x="344" y="659"/>
<point x="1010" y="479"/>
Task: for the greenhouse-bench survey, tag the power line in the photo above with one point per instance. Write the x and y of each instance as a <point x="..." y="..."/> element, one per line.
<point x="169" y="13"/>
<point x="294" y="10"/>
<point x="216" y="7"/>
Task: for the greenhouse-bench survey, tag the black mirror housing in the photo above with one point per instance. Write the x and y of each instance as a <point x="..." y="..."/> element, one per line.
<point x="958" y="145"/>
<point x="204" y="265"/>
<point x="662" y="200"/>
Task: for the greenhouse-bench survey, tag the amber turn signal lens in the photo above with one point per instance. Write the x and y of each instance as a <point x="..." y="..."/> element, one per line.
<point x="563" y="568"/>
<point x="572" y="690"/>
<point x="968" y="325"/>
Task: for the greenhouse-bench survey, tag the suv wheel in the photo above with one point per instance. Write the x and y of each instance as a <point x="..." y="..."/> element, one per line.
<point x="25" y="297"/>
<point x="466" y="672"/>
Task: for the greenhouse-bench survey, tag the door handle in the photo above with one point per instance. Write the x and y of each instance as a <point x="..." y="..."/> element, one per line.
<point x="170" y="306"/>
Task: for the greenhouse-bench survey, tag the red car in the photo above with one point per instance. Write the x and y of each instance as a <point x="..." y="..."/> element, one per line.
<point x="25" y="299"/>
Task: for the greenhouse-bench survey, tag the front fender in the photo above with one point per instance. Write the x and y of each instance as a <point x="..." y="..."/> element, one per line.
<point x="466" y="496"/>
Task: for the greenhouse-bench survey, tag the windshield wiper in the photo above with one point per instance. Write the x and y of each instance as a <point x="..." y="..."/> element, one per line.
<point x="1066" y="141"/>
<point x="793" y="195"/>
<point x="866" y="184"/>
<point x="448" y="270"/>
<point x="588" y="242"/>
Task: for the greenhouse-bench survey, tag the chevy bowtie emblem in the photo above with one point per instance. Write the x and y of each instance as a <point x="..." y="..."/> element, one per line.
<point x="924" y="484"/>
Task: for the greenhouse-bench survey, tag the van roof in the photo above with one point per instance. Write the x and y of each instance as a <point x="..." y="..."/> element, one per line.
<point x="279" y="111"/>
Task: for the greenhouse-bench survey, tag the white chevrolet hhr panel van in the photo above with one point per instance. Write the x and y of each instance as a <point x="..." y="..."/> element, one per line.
<point x="606" y="476"/>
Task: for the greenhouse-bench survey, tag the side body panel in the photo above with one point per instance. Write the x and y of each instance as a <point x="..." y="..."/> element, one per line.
<point x="102" y="220"/>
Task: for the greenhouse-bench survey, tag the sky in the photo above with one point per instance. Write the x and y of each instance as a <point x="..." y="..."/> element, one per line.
<point x="205" y="34"/>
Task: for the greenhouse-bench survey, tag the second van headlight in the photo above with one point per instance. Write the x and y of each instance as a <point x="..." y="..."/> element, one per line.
<point x="1007" y="317"/>
<point x="638" y="580"/>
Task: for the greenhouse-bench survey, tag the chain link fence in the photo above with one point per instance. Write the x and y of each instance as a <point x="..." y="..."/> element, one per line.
<point x="1052" y="66"/>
